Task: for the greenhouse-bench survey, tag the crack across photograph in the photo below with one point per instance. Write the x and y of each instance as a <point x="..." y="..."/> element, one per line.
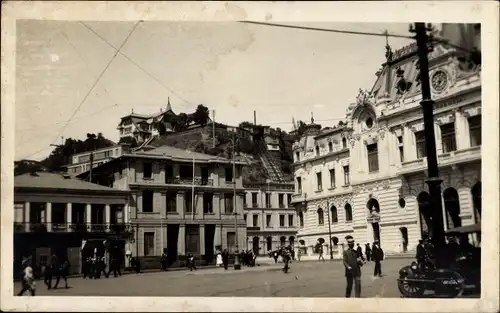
<point x="377" y="190"/>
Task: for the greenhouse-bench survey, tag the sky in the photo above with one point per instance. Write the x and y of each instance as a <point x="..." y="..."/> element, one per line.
<point x="232" y="68"/>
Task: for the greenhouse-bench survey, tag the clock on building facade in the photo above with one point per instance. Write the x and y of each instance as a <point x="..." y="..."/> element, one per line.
<point x="439" y="81"/>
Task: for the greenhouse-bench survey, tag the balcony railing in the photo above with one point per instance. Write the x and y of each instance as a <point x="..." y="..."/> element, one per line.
<point x="198" y="181"/>
<point x="444" y="159"/>
<point x="117" y="228"/>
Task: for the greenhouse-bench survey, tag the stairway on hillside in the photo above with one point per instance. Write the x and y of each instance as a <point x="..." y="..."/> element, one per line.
<point x="273" y="168"/>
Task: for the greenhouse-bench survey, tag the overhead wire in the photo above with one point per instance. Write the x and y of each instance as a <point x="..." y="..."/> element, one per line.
<point x="137" y="65"/>
<point x="90" y="90"/>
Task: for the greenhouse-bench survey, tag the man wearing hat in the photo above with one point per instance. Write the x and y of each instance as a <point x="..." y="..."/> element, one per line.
<point x="352" y="265"/>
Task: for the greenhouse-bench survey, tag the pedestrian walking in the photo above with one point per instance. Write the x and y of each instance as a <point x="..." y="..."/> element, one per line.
<point x="275" y="256"/>
<point x="378" y="256"/>
<point x="225" y="259"/>
<point x="286" y="256"/>
<point x="62" y="272"/>
<point x="368" y="252"/>
<point x="191" y="262"/>
<point x="50" y="269"/>
<point x="299" y="254"/>
<point x="27" y="278"/>
<point x="360" y="252"/>
<point x="352" y="264"/>
<point x="164" y="260"/>
<point x="114" y="266"/>
<point x="321" y="257"/>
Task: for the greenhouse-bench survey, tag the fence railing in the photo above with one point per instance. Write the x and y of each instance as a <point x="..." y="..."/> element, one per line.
<point x="114" y="228"/>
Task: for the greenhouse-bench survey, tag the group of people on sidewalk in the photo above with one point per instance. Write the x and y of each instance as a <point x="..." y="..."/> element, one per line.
<point x="54" y="268"/>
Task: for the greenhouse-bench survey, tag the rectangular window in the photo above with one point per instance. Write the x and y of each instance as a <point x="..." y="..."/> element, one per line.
<point x="208" y="202"/>
<point x="448" y="137"/>
<point x="149" y="244"/>
<point x="186" y="172"/>
<point x="18" y="212"/>
<point x="244" y="197"/>
<point x="281" y="200"/>
<point x="330" y="146"/>
<point x="245" y="217"/>
<point x="297" y="156"/>
<point x="299" y="184"/>
<point x="228" y="203"/>
<point x="289" y="200"/>
<point x="231" y="242"/>
<point x="147" y="170"/>
<point x="420" y="144"/>
<point x="254" y="200"/>
<point x="268" y="220"/>
<point x="475" y="130"/>
<point x="401" y="149"/>
<point x="171" y="201"/>
<point x="346" y="175"/>
<point x="268" y="200"/>
<point x="372" y="157"/>
<point x="282" y="220"/>
<point x="169" y="172"/>
<point x="229" y="175"/>
<point x="147" y="201"/>
<point x="319" y="183"/>
<point x="255" y="220"/>
<point x="290" y="220"/>
<point x="188" y="202"/>
<point x="332" y="178"/>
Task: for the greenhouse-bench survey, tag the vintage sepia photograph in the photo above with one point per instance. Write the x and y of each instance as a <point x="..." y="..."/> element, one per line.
<point x="247" y="158"/>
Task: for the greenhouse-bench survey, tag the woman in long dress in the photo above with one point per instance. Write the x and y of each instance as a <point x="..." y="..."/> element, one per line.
<point x="218" y="261"/>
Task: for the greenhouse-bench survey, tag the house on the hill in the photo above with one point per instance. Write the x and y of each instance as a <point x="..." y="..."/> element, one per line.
<point x="141" y="127"/>
<point x="182" y="202"/>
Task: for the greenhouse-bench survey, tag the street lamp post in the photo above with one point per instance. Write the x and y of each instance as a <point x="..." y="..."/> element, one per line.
<point x="433" y="181"/>
<point x="329" y="229"/>
<point x="237" y="265"/>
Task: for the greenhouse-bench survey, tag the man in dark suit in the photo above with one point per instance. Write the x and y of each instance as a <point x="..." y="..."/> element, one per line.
<point x="377" y="256"/>
<point x="352" y="264"/>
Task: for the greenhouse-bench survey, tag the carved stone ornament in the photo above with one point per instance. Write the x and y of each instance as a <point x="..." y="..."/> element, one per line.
<point x="381" y="132"/>
<point x="439" y="80"/>
<point x="363" y="96"/>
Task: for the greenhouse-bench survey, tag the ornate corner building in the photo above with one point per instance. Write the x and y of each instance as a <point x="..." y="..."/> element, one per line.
<point x="366" y="177"/>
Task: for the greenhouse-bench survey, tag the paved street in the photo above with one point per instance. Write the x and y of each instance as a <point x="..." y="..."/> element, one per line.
<point x="306" y="279"/>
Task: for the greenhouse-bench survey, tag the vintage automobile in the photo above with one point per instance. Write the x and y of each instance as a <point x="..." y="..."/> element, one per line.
<point x="449" y="282"/>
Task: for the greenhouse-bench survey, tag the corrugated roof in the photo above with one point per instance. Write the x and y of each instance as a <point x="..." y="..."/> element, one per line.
<point x="177" y="153"/>
<point x="46" y="180"/>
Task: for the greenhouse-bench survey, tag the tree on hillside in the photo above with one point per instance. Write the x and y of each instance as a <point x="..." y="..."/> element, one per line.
<point x="128" y="141"/>
<point x="201" y="115"/>
<point x="60" y="156"/>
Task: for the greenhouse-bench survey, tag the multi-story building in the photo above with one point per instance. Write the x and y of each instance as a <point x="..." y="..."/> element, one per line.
<point x="270" y="218"/>
<point x="172" y="208"/>
<point x="141" y="127"/>
<point x="80" y="162"/>
<point x="54" y="213"/>
<point x="367" y="178"/>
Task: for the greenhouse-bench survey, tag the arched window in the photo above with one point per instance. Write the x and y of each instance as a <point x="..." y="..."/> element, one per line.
<point x="301" y="219"/>
<point x="344" y="143"/>
<point x="282" y="240"/>
<point x="452" y="207"/>
<point x="317" y="150"/>
<point x="476" y="201"/>
<point x="334" y="214"/>
<point x="335" y="241"/>
<point x="269" y="241"/>
<point x="321" y="217"/>
<point x="348" y="212"/>
<point x="302" y="242"/>
<point x="291" y="240"/>
<point x="330" y="146"/>
<point x="373" y="205"/>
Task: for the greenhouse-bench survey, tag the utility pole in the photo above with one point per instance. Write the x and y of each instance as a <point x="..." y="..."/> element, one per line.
<point x="433" y="181"/>
<point x="213" y="128"/>
<point x="255" y="118"/>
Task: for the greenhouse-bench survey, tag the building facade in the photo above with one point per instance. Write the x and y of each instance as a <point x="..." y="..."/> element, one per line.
<point x="80" y="162"/>
<point x="54" y="214"/>
<point x="170" y="208"/>
<point x="270" y="218"/>
<point x="367" y="178"/>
